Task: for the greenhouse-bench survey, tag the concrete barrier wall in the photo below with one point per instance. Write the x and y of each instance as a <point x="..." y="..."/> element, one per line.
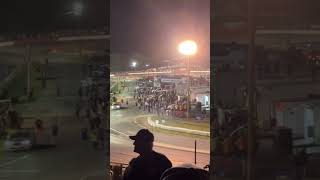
<point x="178" y="129"/>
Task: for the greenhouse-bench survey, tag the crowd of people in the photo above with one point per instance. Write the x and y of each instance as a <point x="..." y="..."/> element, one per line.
<point x="163" y="102"/>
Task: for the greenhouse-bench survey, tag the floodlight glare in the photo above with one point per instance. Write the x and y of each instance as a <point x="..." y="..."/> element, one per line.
<point x="188" y="47"/>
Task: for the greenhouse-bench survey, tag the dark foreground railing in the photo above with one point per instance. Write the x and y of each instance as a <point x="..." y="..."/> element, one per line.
<point x="117" y="170"/>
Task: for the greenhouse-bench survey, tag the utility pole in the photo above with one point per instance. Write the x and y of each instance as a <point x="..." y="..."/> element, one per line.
<point x="188" y="88"/>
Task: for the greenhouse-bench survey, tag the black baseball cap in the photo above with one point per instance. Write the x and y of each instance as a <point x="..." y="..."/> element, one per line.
<point x="143" y="134"/>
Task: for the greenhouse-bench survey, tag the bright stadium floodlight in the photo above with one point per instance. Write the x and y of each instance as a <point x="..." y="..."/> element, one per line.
<point x="188" y="48"/>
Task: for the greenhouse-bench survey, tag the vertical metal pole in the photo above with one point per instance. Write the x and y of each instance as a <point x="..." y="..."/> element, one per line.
<point x="251" y="87"/>
<point x="188" y="88"/>
<point x="195" y="152"/>
<point x="118" y="83"/>
<point x="213" y="128"/>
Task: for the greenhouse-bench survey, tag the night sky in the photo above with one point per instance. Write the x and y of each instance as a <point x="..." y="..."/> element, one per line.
<point x="154" y="28"/>
<point x="48" y="15"/>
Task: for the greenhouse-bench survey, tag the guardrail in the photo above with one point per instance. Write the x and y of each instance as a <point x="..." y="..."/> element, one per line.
<point x="117" y="170"/>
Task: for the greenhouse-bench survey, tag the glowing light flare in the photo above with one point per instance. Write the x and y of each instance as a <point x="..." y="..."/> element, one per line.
<point x="134" y="64"/>
<point x="188" y="47"/>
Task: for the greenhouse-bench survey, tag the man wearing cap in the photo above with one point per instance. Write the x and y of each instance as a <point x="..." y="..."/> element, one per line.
<point x="149" y="165"/>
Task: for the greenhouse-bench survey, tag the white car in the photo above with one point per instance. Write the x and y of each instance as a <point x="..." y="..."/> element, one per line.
<point x="116" y="106"/>
<point x="22" y="139"/>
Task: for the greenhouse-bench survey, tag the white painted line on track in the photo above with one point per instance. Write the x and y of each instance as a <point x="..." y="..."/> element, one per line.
<point x="178" y="129"/>
<point x="13" y="161"/>
<point x="119" y="132"/>
<point x="169" y="146"/>
<point x="135" y="121"/>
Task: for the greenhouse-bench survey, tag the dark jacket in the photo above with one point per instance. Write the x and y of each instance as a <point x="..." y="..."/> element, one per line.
<point x="150" y="168"/>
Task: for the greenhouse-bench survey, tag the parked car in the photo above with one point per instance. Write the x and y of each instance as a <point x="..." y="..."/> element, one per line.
<point x="117" y="106"/>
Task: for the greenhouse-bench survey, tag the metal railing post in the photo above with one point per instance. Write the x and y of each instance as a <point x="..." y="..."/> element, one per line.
<point x="195" y="152"/>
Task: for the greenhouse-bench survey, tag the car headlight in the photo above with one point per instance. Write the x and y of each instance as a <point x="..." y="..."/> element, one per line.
<point x="118" y="106"/>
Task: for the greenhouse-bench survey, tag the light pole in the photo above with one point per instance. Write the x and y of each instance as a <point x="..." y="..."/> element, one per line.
<point x="188" y="48"/>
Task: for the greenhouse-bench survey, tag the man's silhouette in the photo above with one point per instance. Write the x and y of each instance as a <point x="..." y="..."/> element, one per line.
<point x="149" y="164"/>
